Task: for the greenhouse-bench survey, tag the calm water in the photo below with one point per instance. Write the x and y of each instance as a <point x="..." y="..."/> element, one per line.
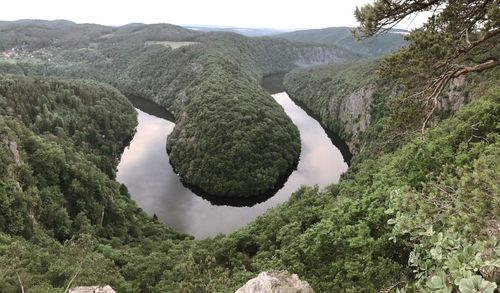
<point x="145" y="170"/>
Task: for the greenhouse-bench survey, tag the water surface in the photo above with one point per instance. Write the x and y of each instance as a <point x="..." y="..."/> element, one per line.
<point x="145" y="170"/>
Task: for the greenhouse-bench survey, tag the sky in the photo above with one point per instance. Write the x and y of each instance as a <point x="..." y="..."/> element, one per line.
<point x="279" y="14"/>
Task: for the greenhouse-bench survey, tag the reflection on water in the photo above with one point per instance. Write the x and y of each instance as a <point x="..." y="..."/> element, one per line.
<point x="145" y="170"/>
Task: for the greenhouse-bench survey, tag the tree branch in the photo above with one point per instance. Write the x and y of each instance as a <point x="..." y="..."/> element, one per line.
<point x="477" y="68"/>
<point x="388" y="14"/>
<point x="440" y="84"/>
<point x="470" y="45"/>
<point x="20" y="282"/>
<point x="72" y="279"/>
<point x="388" y="290"/>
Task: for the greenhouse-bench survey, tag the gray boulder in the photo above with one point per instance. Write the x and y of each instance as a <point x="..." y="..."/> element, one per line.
<point x="276" y="282"/>
<point x="92" y="289"/>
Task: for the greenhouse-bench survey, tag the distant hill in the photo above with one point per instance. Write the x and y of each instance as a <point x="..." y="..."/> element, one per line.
<point x="154" y="32"/>
<point x="342" y="36"/>
<point x="42" y="33"/>
<point x="249" y="32"/>
<point x="209" y="80"/>
<point x="66" y="34"/>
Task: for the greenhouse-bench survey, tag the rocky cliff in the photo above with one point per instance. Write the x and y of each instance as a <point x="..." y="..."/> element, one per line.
<point x="319" y="55"/>
<point x="276" y="282"/>
<point x="348" y="98"/>
<point x="340" y="96"/>
<point x="92" y="289"/>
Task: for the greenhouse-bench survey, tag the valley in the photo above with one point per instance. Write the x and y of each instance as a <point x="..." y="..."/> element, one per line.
<point x="144" y="168"/>
<point x="224" y="168"/>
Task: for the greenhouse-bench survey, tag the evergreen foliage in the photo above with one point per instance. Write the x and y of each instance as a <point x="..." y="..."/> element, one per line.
<point x="211" y="86"/>
<point x="417" y="215"/>
<point x="459" y="39"/>
<point x="353" y="236"/>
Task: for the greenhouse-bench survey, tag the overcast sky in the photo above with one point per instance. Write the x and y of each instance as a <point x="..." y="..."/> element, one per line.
<point x="279" y="14"/>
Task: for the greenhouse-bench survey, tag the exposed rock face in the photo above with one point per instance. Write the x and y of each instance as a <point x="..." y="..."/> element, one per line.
<point x="92" y="289"/>
<point x="455" y="97"/>
<point x="342" y="98"/>
<point x="10" y="146"/>
<point x="318" y="56"/>
<point x="276" y="282"/>
<point x="354" y="110"/>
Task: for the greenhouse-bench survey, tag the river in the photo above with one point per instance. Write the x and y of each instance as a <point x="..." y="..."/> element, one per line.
<point x="145" y="169"/>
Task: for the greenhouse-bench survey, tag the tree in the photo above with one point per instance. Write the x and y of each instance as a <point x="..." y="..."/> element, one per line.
<point x="460" y="37"/>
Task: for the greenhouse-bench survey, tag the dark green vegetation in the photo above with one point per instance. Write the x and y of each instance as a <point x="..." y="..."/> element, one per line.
<point x="343" y="37"/>
<point x="461" y="38"/>
<point x="417" y="210"/>
<point x="337" y="239"/>
<point x="61" y="141"/>
<point x="230" y="138"/>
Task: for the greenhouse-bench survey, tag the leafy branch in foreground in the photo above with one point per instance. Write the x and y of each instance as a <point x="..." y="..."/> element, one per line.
<point x="459" y="38"/>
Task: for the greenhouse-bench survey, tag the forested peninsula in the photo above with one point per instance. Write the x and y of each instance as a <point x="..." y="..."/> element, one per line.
<point x="230" y="139"/>
<point x="417" y="211"/>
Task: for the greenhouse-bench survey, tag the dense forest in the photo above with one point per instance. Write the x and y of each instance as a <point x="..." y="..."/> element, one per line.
<point x="417" y="211"/>
<point x="230" y="139"/>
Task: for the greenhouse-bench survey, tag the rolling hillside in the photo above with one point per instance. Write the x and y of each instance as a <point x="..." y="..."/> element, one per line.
<point x="342" y="36"/>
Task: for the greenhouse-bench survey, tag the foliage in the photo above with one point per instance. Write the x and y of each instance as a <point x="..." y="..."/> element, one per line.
<point x="328" y="91"/>
<point x="60" y="145"/>
<point x="211" y="86"/>
<point x="460" y="38"/>
<point x="423" y="214"/>
<point x="445" y="261"/>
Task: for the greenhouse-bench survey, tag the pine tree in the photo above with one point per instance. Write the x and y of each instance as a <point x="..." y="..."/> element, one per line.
<point x="460" y="37"/>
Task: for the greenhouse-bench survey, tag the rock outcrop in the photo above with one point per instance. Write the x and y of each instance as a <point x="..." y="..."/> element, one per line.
<point x="319" y="55"/>
<point x="353" y="111"/>
<point x="92" y="289"/>
<point x="276" y="282"/>
<point x="346" y="98"/>
<point x="9" y="146"/>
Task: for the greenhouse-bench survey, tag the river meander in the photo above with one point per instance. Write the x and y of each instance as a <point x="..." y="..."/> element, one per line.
<point x="145" y="170"/>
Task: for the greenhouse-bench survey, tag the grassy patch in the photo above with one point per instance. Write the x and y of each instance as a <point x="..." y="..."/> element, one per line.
<point x="173" y="45"/>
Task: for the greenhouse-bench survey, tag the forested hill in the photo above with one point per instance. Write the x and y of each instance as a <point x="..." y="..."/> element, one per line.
<point x="36" y="34"/>
<point x="353" y="236"/>
<point x="417" y="211"/>
<point x="343" y="37"/>
<point x="228" y="132"/>
<point x="61" y="141"/>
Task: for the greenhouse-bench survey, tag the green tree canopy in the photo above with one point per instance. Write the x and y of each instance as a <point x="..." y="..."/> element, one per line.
<point x="460" y="37"/>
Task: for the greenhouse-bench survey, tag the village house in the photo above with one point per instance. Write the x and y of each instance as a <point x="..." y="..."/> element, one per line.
<point x="8" y="54"/>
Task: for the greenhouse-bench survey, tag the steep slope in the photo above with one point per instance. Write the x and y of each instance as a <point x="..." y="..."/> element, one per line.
<point x="422" y="212"/>
<point x="61" y="141"/>
<point x="215" y="75"/>
<point x="24" y="34"/>
<point x="342" y="36"/>
<point x="339" y="239"/>
<point x="349" y="98"/>
<point x="343" y="97"/>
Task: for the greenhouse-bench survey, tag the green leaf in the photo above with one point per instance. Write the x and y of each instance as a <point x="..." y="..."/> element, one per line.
<point x="476" y="284"/>
<point x="438" y="284"/>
